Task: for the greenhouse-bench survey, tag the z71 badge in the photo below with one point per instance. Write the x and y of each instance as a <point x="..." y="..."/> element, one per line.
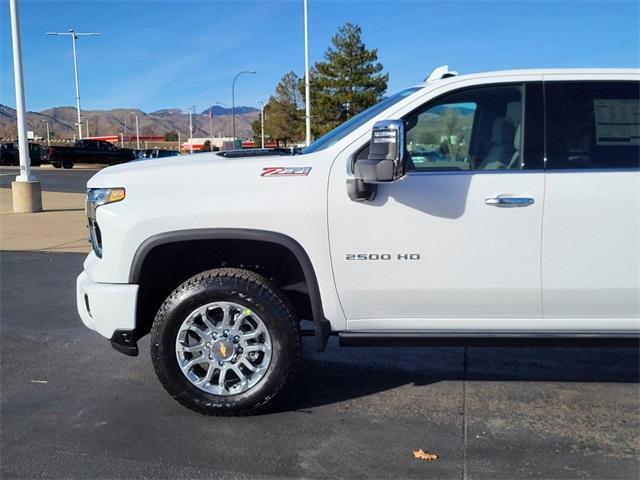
<point x="285" y="171"/>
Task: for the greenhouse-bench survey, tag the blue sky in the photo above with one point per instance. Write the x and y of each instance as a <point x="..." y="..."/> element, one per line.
<point x="170" y="54"/>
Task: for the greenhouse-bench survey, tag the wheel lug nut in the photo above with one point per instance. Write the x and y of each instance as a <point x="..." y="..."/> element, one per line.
<point x="221" y="363"/>
<point x="236" y="339"/>
<point x="214" y="335"/>
<point x="239" y="350"/>
<point x="226" y="333"/>
<point x="210" y="357"/>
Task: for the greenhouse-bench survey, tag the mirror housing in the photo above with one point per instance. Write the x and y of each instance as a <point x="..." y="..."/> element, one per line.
<point x="385" y="162"/>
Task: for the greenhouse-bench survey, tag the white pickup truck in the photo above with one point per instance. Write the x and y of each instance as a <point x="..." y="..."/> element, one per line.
<point x="501" y="205"/>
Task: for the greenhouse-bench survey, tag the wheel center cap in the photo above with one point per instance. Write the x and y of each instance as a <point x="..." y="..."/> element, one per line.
<point x="222" y="349"/>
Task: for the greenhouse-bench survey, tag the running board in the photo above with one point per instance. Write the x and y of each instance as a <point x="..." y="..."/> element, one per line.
<point x="466" y="339"/>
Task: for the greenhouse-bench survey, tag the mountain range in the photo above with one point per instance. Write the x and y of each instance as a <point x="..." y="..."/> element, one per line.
<point x="62" y="122"/>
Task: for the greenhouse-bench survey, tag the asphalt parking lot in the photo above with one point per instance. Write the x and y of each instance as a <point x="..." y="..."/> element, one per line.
<point x="53" y="180"/>
<point x="71" y="407"/>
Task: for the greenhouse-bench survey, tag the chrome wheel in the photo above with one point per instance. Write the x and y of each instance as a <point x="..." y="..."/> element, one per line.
<point x="223" y="348"/>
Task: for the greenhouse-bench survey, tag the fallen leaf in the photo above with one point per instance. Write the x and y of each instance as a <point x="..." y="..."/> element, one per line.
<point x="424" y="455"/>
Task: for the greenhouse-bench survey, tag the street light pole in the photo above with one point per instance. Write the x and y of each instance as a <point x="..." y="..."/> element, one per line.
<point x="233" y="104"/>
<point x="262" y="122"/>
<point x="211" y="128"/>
<point x="25" y="191"/>
<point x="307" y="95"/>
<point x="191" y="128"/>
<point x="74" y="37"/>
<point x="48" y="137"/>
<point x="137" y="133"/>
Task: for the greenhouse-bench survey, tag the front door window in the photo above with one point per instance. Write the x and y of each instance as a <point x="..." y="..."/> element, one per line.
<point x="476" y="129"/>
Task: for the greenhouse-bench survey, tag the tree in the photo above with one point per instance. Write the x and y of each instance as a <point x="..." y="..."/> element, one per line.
<point x="347" y="82"/>
<point x="283" y="112"/>
<point x="171" y="137"/>
<point x="256" y="127"/>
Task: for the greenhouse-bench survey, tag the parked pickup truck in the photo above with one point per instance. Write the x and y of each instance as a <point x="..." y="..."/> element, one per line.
<point x="9" y="154"/>
<point x="493" y="207"/>
<point x="89" y="151"/>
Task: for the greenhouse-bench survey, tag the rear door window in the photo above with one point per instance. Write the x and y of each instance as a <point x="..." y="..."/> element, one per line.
<point x="593" y="125"/>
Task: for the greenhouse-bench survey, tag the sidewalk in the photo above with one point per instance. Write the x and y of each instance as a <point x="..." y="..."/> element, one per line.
<point x="61" y="227"/>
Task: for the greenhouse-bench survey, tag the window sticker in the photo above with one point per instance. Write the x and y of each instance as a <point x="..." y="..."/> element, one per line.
<point x="617" y="121"/>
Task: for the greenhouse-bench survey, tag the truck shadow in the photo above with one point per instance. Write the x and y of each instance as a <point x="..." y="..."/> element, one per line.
<point x="350" y="373"/>
<point x="443" y="196"/>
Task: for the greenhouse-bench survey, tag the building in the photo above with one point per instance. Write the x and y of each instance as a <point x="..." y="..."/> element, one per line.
<point x="216" y="142"/>
<point x="127" y="138"/>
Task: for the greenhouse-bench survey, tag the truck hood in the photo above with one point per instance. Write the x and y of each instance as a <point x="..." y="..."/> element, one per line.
<point x="176" y="169"/>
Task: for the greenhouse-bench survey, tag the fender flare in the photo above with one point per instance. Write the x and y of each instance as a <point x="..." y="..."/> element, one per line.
<point x="322" y="326"/>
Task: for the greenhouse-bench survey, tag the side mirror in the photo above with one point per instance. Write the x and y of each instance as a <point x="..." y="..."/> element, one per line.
<point x="385" y="162"/>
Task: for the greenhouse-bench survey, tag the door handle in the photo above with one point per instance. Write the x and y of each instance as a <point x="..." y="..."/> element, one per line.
<point x="509" y="202"/>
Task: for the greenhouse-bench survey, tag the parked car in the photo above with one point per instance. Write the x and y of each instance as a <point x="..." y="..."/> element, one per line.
<point x="528" y="230"/>
<point x="9" y="154"/>
<point x="89" y="151"/>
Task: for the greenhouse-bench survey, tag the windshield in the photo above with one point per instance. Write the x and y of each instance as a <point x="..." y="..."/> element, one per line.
<point x="350" y="125"/>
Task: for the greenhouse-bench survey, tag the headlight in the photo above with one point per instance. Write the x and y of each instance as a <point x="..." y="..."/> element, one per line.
<point x="102" y="196"/>
<point x="95" y="198"/>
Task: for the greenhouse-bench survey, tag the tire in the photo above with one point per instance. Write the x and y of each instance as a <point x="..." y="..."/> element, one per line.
<point x="205" y="292"/>
<point x="56" y="164"/>
<point x="67" y="164"/>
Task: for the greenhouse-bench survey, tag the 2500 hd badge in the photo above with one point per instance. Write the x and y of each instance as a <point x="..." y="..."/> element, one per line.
<point x="382" y="256"/>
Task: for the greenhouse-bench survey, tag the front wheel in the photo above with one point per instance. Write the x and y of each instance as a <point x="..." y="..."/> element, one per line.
<point x="67" y="163"/>
<point x="226" y="342"/>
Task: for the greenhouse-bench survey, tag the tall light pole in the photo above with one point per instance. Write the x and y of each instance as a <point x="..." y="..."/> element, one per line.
<point x="25" y="191"/>
<point x="74" y="36"/>
<point x="233" y="104"/>
<point x="211" y="128"/>
<point x="307" y="95"/>
<point x="262" y="122"/>
<point x="48" y="137"/>
<point x="86" y="123"/>
<point x="191" y="109"/>
<point x="137" y="132"/>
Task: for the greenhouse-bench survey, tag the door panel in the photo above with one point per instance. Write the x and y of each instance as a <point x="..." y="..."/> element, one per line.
<point x="591" y="241"/>
<point x="475" y="260"/>
<point x="459" y="236"/>
<point x="591" y="246"/>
